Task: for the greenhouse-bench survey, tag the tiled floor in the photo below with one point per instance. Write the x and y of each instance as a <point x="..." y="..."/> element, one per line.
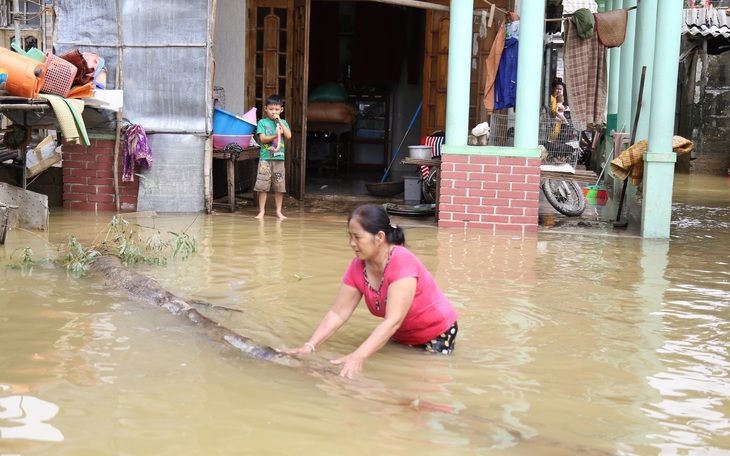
<point x="350" y="187"/>
<point x="352" y="182"/>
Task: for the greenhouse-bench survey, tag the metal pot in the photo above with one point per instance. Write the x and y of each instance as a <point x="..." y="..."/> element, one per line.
<point x="420" y="152"/>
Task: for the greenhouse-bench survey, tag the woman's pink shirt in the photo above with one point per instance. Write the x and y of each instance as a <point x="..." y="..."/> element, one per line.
<point x="431" y="312"/>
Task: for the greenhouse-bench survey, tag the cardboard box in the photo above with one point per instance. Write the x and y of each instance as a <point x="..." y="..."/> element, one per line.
<point x="42" y="157"/>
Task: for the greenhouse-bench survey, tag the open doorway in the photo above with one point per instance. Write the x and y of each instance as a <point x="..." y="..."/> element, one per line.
<point x="386" y="58"/>
<point x="365" y="72"/>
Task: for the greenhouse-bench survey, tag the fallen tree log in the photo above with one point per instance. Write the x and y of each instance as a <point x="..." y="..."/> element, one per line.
<point x="145" y="288"/>
<point x="142" y="287"/>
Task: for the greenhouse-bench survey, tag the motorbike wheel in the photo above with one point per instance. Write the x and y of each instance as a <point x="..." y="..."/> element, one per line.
<point x="565" y="196"/>
<point x="429" y="184"/>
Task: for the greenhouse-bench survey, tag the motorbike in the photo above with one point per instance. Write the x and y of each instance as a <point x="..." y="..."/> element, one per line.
<point x="565" y="196"/>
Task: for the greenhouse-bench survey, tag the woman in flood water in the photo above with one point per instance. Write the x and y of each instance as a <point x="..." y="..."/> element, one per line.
<point x="397" y="287"/>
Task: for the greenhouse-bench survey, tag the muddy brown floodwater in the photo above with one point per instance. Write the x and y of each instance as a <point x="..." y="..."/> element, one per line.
<point x="571" y="342"/>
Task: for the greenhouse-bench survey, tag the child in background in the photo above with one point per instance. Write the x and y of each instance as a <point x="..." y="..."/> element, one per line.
<point x="560" y="108"/>
<point x="272" y="130"/>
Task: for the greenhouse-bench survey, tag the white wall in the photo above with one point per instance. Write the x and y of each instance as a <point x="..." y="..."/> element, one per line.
<point x="229" y="45"/>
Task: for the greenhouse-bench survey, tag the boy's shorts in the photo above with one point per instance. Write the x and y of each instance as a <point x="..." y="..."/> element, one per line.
<point x="270" y="176"/>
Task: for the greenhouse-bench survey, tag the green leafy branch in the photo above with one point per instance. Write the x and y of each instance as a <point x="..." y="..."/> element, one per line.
<point x="125" y="240"/>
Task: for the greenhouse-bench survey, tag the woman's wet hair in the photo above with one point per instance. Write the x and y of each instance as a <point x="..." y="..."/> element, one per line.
<point x="373" y="219"/>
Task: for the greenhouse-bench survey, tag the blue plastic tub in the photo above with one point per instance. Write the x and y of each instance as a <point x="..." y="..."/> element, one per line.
<point x="226" y="123"/>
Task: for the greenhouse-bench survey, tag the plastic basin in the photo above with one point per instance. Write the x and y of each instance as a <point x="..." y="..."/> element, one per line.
<point x="221" y="141"/>
<point x="226" y="123"/>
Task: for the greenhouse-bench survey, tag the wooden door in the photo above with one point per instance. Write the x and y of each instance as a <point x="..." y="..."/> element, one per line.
<point x="435" y="69"/>
<point x="268" y="63"/>
<point x="277" y="56"/>
<point x="296" y="169"/>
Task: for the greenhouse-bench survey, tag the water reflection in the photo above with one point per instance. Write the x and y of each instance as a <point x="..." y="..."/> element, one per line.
<point x="24" y="417"/>
<point x="568" y="344"/>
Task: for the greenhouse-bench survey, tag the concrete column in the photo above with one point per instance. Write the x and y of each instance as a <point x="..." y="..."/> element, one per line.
<point x="660" y="158"/>
<point x="529" y="67"/>
<point x="624" y="121"/>
<point x="614" y="65"/>
<point x="626" y="77"/>
<point x="644" y="56"/>
<point x="459" y="73"/>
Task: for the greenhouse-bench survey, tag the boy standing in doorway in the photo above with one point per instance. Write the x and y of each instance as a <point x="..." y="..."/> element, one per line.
<point x="272" y="130"/>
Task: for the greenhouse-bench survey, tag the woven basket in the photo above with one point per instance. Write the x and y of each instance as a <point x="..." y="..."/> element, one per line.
<point x="385" y="188"/>
<point x="611" y="27"/>
<point x="60" y="75"/>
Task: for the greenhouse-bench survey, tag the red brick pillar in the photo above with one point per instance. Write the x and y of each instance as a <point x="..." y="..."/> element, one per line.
<point x="88" y="178"/>
<point x="493" y="192"/>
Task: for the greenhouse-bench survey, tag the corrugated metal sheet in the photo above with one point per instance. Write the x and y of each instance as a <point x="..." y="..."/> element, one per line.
<point x="230" y="54"/>
<point x="175" y="181"/>
<point x="706" y="22"/>
<point x="571" y="6"/>
<point x="83" y="25"/>
<point x="166" y="72"/>
<point x="166" y="56"/>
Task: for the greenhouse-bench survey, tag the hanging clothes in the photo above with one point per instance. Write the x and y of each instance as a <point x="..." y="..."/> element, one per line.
<point x="631" y="161"/>
<point x="136" y="151"/>
<point x="435" y="140"/>
<point x="585" y="22"/>
<point x="495" y="55"/>
<point x="493" y="59"/>
<point x="585" y="77"/>
<point x="505" y="86"/>
<point x="513" y="29"/>
<point x="70" y="119"/>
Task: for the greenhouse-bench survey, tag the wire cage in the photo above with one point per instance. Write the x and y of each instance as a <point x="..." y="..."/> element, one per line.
<point x="560" y="140"/>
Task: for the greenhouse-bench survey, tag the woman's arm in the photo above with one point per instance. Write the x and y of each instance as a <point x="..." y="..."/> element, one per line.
<point x="345" y="303"/>
<point x="400" y="298"/>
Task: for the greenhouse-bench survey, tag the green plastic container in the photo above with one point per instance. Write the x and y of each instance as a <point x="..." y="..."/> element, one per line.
<point x="33" y="53"/>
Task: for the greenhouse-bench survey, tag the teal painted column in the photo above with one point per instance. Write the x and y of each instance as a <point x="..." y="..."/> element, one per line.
<point x="614" y="65"/>
<point x="624" y="121"/>
<point x="644" y="56"/>
<point x="626" y="76"/>
<point x="659" y="159"/>
<point x="459" y="72"/>
<point x="529" y="68"/>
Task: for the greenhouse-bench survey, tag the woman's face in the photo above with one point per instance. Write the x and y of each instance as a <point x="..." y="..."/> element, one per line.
<point x="364" y="244"/>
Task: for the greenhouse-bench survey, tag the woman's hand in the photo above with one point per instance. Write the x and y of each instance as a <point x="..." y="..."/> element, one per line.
<point x="400" y="297"/>
<point x="299" y="351"/>
<point x="352" y="365"/>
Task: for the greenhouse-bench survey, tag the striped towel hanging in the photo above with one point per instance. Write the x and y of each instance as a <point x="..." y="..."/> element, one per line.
<point x="435" y="141"/>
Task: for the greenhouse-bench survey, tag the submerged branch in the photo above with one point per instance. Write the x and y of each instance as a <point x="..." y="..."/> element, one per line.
<point x="142" y="287"/>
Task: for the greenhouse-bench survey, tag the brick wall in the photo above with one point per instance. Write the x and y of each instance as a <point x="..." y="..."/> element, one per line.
<point x="489" y="192"/>
<point x="88" y="178"/>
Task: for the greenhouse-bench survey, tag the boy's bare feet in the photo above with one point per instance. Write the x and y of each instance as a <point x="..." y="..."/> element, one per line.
<point x="260" y="216"/>
<point x="280" y="216"/>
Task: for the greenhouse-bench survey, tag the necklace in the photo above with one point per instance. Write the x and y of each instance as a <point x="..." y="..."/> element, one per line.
<point x="382" y="279"/>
